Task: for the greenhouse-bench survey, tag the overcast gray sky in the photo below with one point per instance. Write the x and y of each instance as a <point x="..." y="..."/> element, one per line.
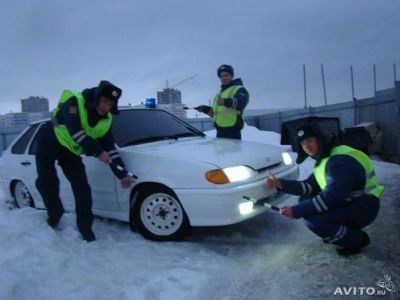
<point x="47" y="46"/>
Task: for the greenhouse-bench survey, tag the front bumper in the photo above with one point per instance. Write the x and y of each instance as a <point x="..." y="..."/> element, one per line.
<point x="215" y="207"/>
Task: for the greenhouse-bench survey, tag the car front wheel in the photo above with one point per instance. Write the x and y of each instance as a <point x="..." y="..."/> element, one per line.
<point x="22" y="197"/>
<point x="158" y="214"/>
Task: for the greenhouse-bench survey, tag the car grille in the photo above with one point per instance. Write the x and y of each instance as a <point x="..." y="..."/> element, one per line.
<point x="271" y="167"/>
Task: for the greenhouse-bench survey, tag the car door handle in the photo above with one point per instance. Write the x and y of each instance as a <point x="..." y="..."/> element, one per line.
<point x="26" y="163"/>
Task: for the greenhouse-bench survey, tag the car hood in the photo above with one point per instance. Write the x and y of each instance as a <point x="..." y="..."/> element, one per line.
<point x="219" y="152"/>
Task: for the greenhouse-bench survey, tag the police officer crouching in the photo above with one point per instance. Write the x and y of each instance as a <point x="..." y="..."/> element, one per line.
<point x="81" y="123"/>
<point x="339" y="198"/>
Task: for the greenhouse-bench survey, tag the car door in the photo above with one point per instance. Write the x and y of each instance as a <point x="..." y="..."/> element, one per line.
<point x="103" y="184"/>
<point x="101" y="181"/>
<point x="22" y="165"/>
<point x="66" y="194"/>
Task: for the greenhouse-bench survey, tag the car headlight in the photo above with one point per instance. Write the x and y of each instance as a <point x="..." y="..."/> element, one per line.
<point x="246" y="207"/>
<point x="287" y="158"/>
<point x="231" y="174"/>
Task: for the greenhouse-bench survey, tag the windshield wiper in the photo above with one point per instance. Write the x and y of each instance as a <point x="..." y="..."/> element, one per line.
<point x="183" y="134"/>
<point x="159" y="138"/>
<point x="192" y="129"/>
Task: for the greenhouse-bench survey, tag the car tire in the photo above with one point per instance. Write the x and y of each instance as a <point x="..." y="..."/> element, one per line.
<point x="22" y="197"/>
<point x="158" y="215"/>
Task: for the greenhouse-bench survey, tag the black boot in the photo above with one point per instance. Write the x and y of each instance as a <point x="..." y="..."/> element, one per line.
<point x="88" y="236"/>
<point x="346" y="251"/>
<point x="53" y="221"/>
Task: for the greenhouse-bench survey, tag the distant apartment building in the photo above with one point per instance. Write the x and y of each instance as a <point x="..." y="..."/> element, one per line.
<point x="34" y="104"/>
<point x="170" y="100"/>
<point x="21" y="119"/>
<point x="14" y="120"/>
<point x="168" y="96"/>
<point x="177" y="109"/>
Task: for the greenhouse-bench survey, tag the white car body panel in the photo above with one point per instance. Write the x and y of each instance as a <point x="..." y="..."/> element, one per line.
<point x="178" y="164"/>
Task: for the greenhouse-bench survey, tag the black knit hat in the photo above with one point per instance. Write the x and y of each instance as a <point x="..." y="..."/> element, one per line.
<point x="225" y="68"/>
<point x="110" y="91"/>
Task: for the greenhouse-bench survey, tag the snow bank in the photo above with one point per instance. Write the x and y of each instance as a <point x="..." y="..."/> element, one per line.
<point x="253" y="134"/>
<point x="268" y="257"/>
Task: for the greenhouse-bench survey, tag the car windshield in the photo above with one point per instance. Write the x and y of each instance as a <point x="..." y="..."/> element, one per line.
<point x="138" y="126"/>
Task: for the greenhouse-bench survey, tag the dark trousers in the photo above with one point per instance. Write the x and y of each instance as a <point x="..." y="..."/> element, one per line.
<point x="229" y="133"/>
<point x="342" y="226"/>
<point x="48" y="185"/>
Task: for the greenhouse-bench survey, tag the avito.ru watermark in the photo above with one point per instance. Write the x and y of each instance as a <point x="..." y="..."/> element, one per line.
<point x="384" y="285"/>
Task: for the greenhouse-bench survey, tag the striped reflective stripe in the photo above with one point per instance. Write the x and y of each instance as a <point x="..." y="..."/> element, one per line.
<point x="78" y="134"/>
<point x="371" y="174"/>
<point x="358" y="193"/>
<point x="309" y="188"/>
<point x="314" y="200"/>
<point x="81" y="138"/>
<point x="303" y="187"/>
<point x="321" y="202"/>
<point x="339" y="234"/>
<point x="306" y="187"/>
<point x="112" y="152"/>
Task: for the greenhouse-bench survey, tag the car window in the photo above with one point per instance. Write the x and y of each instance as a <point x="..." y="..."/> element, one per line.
<point x="137" y="126"/>
<point x="34" y="144"/>
<point x="20" y="146"/>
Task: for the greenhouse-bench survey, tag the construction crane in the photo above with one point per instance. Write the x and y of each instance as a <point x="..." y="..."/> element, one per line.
<point x="180" y="82"/>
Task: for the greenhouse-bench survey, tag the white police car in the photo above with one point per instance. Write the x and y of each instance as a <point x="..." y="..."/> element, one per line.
<point x="184" y="178"/>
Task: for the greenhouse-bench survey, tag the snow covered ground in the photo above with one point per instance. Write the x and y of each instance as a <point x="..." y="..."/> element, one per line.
<point x="269" y="257"/>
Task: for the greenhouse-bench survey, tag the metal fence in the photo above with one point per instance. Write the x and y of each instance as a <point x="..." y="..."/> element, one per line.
<point x="384" y="108"/>
<point x="384" y="111"/>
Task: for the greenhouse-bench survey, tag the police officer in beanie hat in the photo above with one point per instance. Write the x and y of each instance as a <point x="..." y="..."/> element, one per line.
<point x="81" y="123"/>
<point x="228" y="105"/>
<point x="339" y="198"/>
<point x="225" y="68"/>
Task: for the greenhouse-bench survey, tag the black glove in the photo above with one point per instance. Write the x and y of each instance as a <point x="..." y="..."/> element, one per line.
<point x="199" y="108"/>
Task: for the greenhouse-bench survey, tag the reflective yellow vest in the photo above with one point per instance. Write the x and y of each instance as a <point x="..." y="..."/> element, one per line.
<point x="224" y="116"/>
<point x="95" y="132"/>
<point x="371" y="184"/>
